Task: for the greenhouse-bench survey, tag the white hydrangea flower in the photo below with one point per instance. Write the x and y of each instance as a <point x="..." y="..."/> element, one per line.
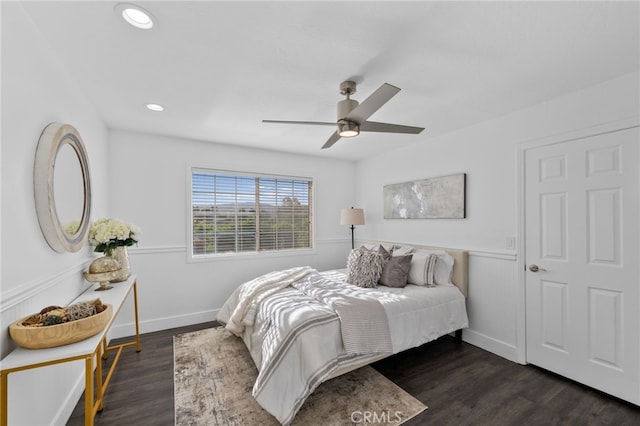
<point x="136" y="232"/>
<point x="72" y="227"/>
<point x="113" y="233"/>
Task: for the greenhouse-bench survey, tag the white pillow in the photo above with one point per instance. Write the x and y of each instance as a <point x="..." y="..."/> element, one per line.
<point x="422" y="269"/>
<point x="443" y="270"/>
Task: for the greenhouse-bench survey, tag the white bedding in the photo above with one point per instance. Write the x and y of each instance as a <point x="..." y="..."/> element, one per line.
<point x="415" y="315"/>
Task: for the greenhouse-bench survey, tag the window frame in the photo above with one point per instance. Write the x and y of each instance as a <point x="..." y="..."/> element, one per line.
<point x="208" y="257"/>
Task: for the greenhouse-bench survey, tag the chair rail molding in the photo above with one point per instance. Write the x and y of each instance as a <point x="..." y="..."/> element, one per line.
<point x="31" y="288"/>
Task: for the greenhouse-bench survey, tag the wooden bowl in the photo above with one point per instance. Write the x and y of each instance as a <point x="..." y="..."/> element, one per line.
<point x="60" y="334"/>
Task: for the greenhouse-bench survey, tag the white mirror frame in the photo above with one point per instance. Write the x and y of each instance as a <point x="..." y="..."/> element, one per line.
<point x="53" y="137"/>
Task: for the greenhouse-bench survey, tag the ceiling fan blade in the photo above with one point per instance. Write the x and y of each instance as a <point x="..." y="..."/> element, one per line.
<point x="372" y="103"/>
<point x="314" y="123"/>
<point x="333" y="139"/>
<point x="373" y="126"/>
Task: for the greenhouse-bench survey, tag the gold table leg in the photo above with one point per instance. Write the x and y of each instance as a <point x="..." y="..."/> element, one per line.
<point x="4" y="382"/>
<point x="104" y="348"/>
<point x="135" y="310"/>
<point x="99" y="387"/>
<point x="88" y="391"/>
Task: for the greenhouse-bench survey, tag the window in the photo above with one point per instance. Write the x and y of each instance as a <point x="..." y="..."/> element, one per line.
<point x="236" y="212"/>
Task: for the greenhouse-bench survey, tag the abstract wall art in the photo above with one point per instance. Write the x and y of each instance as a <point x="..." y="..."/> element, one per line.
<point x="434" y="198"/>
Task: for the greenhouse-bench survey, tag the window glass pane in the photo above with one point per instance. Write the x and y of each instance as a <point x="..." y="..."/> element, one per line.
<point x="242" y="213"/>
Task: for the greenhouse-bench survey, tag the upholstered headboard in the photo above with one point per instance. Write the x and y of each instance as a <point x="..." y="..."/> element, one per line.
<point x="460" y="276"/>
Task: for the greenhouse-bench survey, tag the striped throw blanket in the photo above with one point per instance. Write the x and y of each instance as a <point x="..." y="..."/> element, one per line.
<point x="309" y="326"/>
<point x="363" y="320"/>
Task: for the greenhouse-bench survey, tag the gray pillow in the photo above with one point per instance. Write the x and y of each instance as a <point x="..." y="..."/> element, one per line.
<point x="386" y="254"/>
<point x="396" y="271"/>
<point x="364" y="267"/>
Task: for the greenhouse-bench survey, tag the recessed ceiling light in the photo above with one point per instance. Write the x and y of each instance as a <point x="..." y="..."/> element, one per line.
<point x="135" y="15"/>
<point x="155" y="107"/>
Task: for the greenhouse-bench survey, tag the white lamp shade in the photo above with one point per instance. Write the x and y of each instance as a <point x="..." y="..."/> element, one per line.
<point x="352" y="216"/>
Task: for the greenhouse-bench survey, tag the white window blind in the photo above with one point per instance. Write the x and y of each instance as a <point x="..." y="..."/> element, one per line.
<point x="236" y="212"/>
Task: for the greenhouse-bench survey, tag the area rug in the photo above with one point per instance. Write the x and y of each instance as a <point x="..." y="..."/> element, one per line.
<point x="214" y="375"/>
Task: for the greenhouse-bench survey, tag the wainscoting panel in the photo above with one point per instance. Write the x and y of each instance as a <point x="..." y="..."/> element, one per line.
<point x="492" y="302"/>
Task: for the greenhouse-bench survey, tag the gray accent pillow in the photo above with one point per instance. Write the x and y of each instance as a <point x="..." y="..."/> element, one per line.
<point x="386" y="254"/>
<point x="364" y="267"/>
<point x="401" y="250"/>
<point x="396" y="271"/>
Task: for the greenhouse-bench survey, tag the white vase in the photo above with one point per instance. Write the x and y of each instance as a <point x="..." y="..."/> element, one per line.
<point x="122" y="256"/>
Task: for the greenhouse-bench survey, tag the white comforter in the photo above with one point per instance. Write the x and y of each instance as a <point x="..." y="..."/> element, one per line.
<point x="296" y="341"/>
<point x="253" y="292"/>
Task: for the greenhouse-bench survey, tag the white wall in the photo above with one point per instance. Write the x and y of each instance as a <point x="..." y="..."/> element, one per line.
<point x="487" y="152"/>
<point x="37" y="90"/>
<point x="151" y="190"/>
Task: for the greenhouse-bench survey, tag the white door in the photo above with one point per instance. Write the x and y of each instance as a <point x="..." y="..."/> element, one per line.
<point x="582" y="232"/>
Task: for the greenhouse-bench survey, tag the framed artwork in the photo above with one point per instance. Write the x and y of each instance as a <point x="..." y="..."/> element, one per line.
<point x="434" y="198"/>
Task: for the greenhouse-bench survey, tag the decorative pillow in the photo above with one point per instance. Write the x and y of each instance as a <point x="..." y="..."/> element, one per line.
<point x="395" y="271"/>
<point x="442" y="270"/>
<point x="370" y="246"/>
<point x="386" y="254"/>
<point x="364" y="267"/>
<point x="402" y="250"/>
<point x="444" y="267"/>
<point x="374" y="247"/>
<point x="422" y="269"/>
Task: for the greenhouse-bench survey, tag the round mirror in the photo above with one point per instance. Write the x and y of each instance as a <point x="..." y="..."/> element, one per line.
<point x="68" y="189"/>
<point x="62" y="187"/>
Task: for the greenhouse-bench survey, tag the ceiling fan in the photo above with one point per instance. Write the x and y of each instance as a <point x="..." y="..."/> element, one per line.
<point x="352" y="116"/>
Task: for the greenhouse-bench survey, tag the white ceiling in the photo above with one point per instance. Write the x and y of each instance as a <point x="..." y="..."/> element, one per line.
<point x="219" y="68"/>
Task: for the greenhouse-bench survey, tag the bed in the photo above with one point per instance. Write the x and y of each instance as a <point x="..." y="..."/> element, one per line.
<point x="303" y="327"/>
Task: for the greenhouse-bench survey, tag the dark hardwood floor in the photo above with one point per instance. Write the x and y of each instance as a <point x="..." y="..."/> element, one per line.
<point x="461" y="384"/>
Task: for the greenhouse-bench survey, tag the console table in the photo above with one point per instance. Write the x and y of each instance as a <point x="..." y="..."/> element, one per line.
<point x="94" y="347"/>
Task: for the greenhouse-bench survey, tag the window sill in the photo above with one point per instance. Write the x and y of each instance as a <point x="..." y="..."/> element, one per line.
<point x="253" y="255"/>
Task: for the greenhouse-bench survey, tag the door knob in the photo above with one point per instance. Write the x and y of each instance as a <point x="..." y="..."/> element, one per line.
<point x="535" y="268"/>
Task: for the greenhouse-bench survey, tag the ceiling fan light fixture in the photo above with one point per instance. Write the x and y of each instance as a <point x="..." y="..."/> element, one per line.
<point x="348" y="129"/>
<point x="353" y="116"/>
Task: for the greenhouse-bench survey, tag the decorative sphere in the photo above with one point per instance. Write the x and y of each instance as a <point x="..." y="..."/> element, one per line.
<point x="104" y="264"/>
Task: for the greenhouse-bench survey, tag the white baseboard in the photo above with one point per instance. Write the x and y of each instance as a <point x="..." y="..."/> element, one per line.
<point x="165" y="323"/>
<point x="490" y="344"/>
